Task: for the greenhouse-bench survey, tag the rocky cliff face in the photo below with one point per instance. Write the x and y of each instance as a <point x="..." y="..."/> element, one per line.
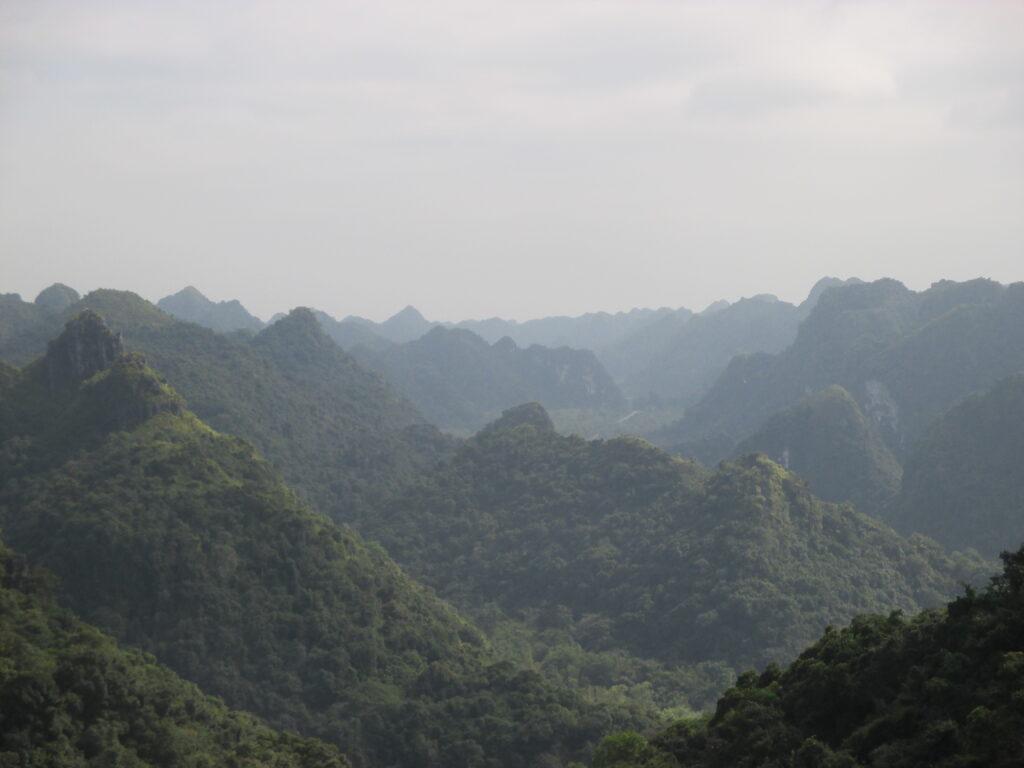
<point x="86" y="347"/>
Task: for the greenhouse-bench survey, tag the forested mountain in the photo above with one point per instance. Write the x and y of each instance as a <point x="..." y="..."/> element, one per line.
<point x="180" y="541"/>
<point x="338" y="432"/>
<point x="349" y="333"/>
<point x="20" y="320"/>
<point x="942" y="689"/>
<point x="905" y="357"/>
<point x="631" y="548"/>
<point x="459" y="381"/>
<point x="70" y="697"/>
<point x="694" y="356"/>
<point x="963" y="483"/>
<point x="222" y="316"/>
<point x="828" y="441"/>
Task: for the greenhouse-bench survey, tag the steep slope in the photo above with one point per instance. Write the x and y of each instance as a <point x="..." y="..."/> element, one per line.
<point x="180" y="541"/>
<point x="221" y="316"/>
<point x="69" y="696"/>
<point x="633" y="548"/>
<point x="459" y="381"/>
<point x="828" y="441"/>
<point x="964" y="481"/>
<point x="943" y="689"/>
<point x="337" y="431"/>
<point x="906" y="357"/>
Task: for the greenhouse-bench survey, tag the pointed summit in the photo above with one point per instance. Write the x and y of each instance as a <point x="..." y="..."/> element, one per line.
<point x="407" y="325"/>
<point x="86" y="347"/>
<point x="221" y="316"/>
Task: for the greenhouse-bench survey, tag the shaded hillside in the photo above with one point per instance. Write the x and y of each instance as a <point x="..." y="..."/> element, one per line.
<point x="459" y="381"/>
<point x="690" y="360"/>
<point x="827" y="440"/>
<point x="337" y="431"/>
<point x="963" y="484"/>
<point x="350" y="333"/>
<point x="221" y="316"/>
<point x="70" y="697"/>
<point x="20" y="320"/>
<point x="632" y="548"/>
<point x="905" y="357"/>
<point x="180" y="541"/>
<point x="942" y="689"/>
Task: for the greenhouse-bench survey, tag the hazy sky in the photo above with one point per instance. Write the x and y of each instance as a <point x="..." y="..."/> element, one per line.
<point x="507" y="158"/>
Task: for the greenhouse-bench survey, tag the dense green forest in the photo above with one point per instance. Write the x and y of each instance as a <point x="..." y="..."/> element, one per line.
<point x="338" y="432"/>
<point x="942" y="689"/>
<point x="626" y="547"/>
<point x="964" y="481"/>
<point x="180" y="541"/>
<point x="827" y="440"/>
<point x="905" y="357"/>
<point x="71" y="697"/>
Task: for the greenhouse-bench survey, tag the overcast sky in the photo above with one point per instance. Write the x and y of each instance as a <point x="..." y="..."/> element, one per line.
<point x="517" y="159"/>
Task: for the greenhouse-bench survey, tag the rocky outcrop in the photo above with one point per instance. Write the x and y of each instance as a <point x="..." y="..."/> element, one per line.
<point x="86" y="347"/>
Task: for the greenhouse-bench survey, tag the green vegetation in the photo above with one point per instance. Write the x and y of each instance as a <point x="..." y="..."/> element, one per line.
<point x="905" y="357"/>
<point x="624" y="547"/>
<point x="70" y="697"/>
<point x="827" y="440"/>
<point x="338" y="433"/>
<point x="964" y="481"/>
<point x="222" y="316"/>
<point x="943" y="689"/>
<point x="180" y="541"/>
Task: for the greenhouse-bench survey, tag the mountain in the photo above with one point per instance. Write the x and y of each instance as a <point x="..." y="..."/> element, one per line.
<point x="678" y="358"/>
<point x="349" y="333"/>
<point x="459" y="381"/>
<point x="57" y="297"/>
<point x="963" y="483"/>
<point x="593" y="331"/>
<point x="181" y="541"/>
<point x="222" y="316"/>
<point x="633" y="549"/>
<point x="905" y="357"/>
<point x="407" y="325"/>
<point x="828" y="441"/>
<point x="70" y="696"/>
<point x="942" y="689"/>
<point x="337" y="431"/>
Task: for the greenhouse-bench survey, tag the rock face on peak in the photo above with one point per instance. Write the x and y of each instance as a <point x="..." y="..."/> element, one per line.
<point x="86" y="347"/>
<point x="223" y="316"/>
<point x="57" y="297"/>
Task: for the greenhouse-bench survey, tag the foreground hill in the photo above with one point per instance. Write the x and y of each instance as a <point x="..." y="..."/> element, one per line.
<point x="631" y="548"/>
<point x="944" y="689"/>
<point x="459" y="381"/>
<point x="180" y="541"/>
<point x="337" y="431"/>
<point x="905" y="357"/>
<point x="964" y="481"/>
<point x="69" y="696"/>
<point x="827" y="440"/>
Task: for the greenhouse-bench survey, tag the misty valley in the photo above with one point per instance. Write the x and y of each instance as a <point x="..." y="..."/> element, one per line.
<point x="755" y="534"/>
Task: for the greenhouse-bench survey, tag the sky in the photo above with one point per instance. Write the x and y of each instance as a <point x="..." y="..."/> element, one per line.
<point x="514" y="159"/>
